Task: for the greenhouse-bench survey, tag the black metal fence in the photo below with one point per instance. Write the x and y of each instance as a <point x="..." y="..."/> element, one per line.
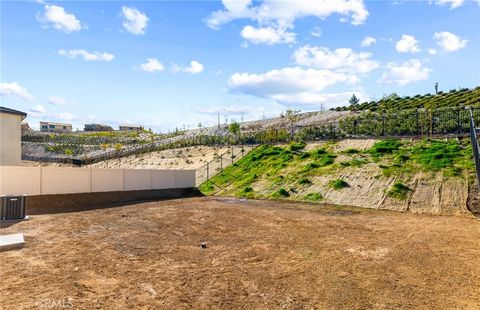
<point x="406" y="123"/>
<point x="475" y="147"/>
<point x="220" y="162"/>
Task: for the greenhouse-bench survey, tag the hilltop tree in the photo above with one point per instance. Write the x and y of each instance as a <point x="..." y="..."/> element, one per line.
<point x="234" y="128"/>
<point x="354" y="101"/>
<point x="292" y="117"/>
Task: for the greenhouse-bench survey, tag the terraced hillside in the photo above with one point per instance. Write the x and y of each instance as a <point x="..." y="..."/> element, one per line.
<point x="427" y="115"/>
<point x="454" y="98"/>
<point x="421" y="176"/>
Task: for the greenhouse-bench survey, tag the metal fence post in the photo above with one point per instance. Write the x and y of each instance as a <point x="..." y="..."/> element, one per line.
<point x="458" y="121"/>
<point x="208" y="172"/>
<point x="383" y="124"/>
<point x="476" y="151"/>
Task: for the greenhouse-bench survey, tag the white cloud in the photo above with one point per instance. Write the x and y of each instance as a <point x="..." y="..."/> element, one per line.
<point x="40" y="112"/>
<point x="230" y="110"/>
<point x="288" y="84"/>
<point x="449" y="42"/>
<point x="341" y="59"/>
<point x="407" y="44"/>
<point x="60" y="19"/>
<point x="38" y="109"/>
<point x="328" y="99"/>
<point x="14" y="90"/>
<point x="134" y="21"/>
<point x="267" y="35"/>
<point x="56" y="100"/>
<point x="88" y="56"/>
<point x="405" y="73"/>
<point x="432" y="51"/>
<point x="368" y="41"/>
<point x="152" y="65"/>
<point x="316" y="32"/>
<point x="453" y="3"/>
<point x="65" y="116"/>
<point x="281" y="15"/>
<point x="194" y="68"/>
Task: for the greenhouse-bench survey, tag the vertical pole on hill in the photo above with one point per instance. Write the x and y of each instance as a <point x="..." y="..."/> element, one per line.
<point x="418" y="123"/>
<point x="383" y="124"/>
<point x="208" y="172"/>
<point x="232" y="155"/>
<point x="431" y="123"/>
<point x="458" y="121"/>
<point x="221" y="162"/>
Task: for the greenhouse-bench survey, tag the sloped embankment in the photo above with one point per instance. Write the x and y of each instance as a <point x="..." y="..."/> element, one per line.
<point x="419" y="176"/>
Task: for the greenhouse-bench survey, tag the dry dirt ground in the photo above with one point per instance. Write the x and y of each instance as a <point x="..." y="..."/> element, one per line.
<point x="260" y="255"/>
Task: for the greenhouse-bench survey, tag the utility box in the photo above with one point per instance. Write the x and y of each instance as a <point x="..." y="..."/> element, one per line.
<point x="12" y="207"/>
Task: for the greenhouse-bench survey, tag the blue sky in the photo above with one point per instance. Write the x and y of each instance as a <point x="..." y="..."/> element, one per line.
<point x="173" y="64"/>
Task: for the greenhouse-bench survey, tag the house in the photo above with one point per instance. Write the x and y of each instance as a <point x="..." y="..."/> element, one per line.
<point x="97" y="127"/>
<point x="55" y="127"/>
<point x="130" y="127"/>
<point x="10" y="136"/>
<point x="26" y="128"/>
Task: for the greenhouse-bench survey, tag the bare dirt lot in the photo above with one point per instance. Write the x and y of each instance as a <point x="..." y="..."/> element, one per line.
<point x="260" y="254"/>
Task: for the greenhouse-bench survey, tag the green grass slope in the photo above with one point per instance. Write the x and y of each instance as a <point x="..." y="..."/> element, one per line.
<point x="289" y="172"/>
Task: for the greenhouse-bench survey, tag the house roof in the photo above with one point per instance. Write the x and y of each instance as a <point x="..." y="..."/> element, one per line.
<point x="12" y="111"/>
<point x="54" y="123"/>
<point x="97" y="124"/>
<point x="129" y="125"/>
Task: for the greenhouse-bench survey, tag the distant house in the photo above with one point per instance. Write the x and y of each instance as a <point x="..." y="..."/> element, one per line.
<point x="10" y="136"/>
<point x="55" y="127"/>
<point x="130" y="127"/>
<point x="26" y="128"/>
<point x="97" y="127"/>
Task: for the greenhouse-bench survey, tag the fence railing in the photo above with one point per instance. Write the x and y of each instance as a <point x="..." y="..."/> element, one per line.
<point x="475" y="147"/>
<point x="220" y="162"/>
<point x="424" y="122"/>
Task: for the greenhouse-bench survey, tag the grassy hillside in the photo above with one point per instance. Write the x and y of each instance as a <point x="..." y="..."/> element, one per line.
<point x="453" y="98"/>
<point x="300" y="173"/>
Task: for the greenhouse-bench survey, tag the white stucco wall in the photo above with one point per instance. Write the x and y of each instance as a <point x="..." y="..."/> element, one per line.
<point x="10" y="139"/>
<point x="16" y="180"/>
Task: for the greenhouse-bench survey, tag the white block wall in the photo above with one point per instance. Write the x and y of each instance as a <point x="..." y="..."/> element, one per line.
<point x="62" y="180"/>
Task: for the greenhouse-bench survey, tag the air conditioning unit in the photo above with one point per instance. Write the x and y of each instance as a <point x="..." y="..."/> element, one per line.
<point x="12" y="207"/>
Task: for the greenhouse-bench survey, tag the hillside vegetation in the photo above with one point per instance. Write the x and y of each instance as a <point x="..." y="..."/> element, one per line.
<point x="454" y="98"/>
<point x="383" y="174"/>
<point x="421" y="115"/>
